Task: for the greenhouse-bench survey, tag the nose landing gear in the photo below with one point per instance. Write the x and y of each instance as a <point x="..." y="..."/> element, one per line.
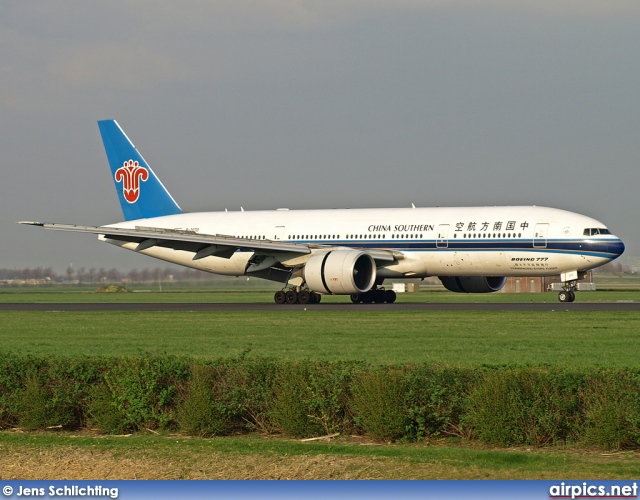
<point x="567" y="296"/>
<point x="570" y="285"/>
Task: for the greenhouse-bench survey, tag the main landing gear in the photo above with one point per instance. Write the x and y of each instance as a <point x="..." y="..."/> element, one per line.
<point x="377" y="295"/>
<point x="293" y="296"/>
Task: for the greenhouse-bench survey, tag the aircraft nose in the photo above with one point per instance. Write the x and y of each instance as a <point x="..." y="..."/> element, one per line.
<point x="618" y="247"/>
<point x="610" y="248"/>
<point x="614" y="247"/>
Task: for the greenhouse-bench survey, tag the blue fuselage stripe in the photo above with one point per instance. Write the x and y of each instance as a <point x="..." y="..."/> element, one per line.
<point x="599" y="248"/>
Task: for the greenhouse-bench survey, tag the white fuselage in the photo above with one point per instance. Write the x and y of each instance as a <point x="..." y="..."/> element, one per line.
<point x="440" y="241"/>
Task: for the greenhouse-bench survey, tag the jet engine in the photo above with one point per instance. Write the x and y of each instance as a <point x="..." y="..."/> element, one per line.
<point x="340" y="272"/>
<point x="473" y="284"/>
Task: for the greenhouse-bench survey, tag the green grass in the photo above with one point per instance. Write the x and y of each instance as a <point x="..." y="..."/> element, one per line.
<point x="380" y="337"/>
<point x="17" y="295"/>
<point x="391" y="461"/>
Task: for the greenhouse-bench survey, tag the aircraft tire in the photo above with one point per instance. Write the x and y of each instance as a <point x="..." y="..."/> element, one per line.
<point x="390" y="296"/>
<point x="378" y="296"/>
<point x="304" y="297"/>
<point x="563" y="296"/>
<point x="367" y="297"/>
<point x="356" y="298"/>
<point x="280" y="297"/>
<point x="291" y="297"/>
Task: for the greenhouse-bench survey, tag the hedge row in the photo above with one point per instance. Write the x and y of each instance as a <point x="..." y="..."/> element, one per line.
<point x="501" y="405"/>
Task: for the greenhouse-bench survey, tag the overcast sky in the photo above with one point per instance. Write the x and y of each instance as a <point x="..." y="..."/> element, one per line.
<point x="349" y="103"/>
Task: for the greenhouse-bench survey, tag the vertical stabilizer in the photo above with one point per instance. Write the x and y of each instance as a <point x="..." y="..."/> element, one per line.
<point x="140" y="192"/>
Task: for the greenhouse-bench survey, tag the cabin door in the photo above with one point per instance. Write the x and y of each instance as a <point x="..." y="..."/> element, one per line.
<point x="443" y="236"/>
<point x="540" y="236"/>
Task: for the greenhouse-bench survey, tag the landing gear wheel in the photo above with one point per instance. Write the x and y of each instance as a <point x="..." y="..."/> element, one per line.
<point x="291" y="297"/>
<point x="304" y="297"/>
<point x="318" y="298"/>
<point x="315" y="298"/>
<point x="389" y="296"/>
<point x="367" y="298"/>
<point x="378" y="296"/>
<point x="356" y="298"/>
<point x="280" y="297"/>
<point x="567" y="296"/>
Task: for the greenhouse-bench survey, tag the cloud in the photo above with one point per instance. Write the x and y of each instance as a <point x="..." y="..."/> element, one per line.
<point x="564" y="8"/>
<point x="230" y="15"/>
<point x="60" y="47"/>
<point x="115" y="65"/>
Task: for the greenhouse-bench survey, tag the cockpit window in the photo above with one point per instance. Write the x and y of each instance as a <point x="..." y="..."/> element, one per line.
<point x="592" y="231"/>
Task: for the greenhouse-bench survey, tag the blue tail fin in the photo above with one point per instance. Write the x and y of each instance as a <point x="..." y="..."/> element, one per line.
<point x="141" y="193"/>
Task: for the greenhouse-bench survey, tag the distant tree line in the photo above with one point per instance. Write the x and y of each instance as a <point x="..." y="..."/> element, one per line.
<point x="103" y="275"/>
<point x="147" y="275"/>
<point x="612" y="268"/>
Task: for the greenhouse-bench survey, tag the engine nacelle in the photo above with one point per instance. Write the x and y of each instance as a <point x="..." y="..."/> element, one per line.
<point x="340" y="272"/>
<point x="473" y="284"/>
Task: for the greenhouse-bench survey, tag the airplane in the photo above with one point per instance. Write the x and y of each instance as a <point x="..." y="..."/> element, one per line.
<point x="349" y="251"/>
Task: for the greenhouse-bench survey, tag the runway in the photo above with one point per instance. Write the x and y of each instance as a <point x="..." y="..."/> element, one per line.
<point x="427" y="306"/>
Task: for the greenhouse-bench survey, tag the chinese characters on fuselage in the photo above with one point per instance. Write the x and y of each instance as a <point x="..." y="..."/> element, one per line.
<point x="459" y="227"/>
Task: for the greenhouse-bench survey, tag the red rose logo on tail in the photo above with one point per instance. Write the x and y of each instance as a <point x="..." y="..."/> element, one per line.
<point x="130" y="174"/>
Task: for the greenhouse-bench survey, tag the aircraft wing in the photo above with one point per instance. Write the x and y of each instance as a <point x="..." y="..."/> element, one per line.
<point x="203" y="245"/>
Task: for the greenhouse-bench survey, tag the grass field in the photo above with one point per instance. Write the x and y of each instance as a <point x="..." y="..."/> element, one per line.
<point x="381" y="337"/>
<point x="254" y="296"/>
<point x="53" y="456"/>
